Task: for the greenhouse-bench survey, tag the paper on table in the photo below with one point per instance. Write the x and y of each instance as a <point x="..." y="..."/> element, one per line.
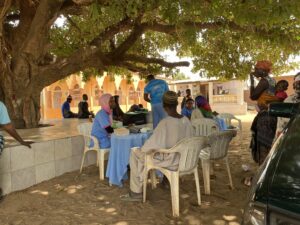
<point x="146" y="129"/>
<point x="121" y="131"/>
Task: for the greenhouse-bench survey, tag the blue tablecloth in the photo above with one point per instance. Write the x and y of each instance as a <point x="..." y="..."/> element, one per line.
<point x="120" y="153"/>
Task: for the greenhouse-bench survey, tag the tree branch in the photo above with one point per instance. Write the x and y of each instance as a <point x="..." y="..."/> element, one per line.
<point x="4" y="10"/>
<point x="133" y="67"/>
<point x="73" y="24"/>
<point x="126" y="45"/>
<point x="45" y="14"/>
<point x="109" y="32"/>
<point x="172" y="29"/>
<point x="145" y="60"/>
<point x="79" y="60"/>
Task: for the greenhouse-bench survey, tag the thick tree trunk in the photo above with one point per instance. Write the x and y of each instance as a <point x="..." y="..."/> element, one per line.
<point x="23" y="105"/>
<point x="22" y="102"/>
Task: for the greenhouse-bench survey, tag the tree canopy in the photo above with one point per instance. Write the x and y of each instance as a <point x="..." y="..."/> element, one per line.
<point x="224" y="38"/>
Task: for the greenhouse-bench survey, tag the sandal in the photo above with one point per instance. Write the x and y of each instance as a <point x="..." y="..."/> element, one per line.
<point x="247" y="181"/>
<point x="131" y="198"/>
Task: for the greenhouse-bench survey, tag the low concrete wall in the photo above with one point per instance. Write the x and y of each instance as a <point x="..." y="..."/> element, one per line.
<point x="21" y="167"/>
<point x="234" y="109"/>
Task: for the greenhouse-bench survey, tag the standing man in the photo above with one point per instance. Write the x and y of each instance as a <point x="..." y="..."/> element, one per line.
<point x="66" y="109"/>
<point x="153" y="93"/>
<point x="6" y="125"/>
<point x="186" y="97"/>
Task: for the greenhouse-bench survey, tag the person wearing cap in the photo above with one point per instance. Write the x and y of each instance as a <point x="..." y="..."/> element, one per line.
<point x="294" y="98"/>
<point x="153" y="93"/>
<point x="168" y="132"/>
<point x="66" y="109"/>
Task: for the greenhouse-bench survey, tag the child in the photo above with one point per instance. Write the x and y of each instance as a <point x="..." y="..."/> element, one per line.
<point x="188" y="108"/>
<point x="281" y="87"/>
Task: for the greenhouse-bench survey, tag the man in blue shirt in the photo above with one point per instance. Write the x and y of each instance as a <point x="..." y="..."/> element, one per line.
<point x="153" y="93"/>
<point x="6" y="124"/>
<point x="66" y="109"/>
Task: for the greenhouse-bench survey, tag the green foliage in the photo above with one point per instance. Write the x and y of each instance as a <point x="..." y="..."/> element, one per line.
<point x="263" y="29"/>
<point x="179" y="76"/>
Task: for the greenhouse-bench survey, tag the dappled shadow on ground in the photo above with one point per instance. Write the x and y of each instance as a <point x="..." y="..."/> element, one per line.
<point x="73" y="199"/>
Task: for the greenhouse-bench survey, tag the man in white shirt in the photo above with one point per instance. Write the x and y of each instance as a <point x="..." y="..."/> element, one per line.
<point x="169" y="131"/>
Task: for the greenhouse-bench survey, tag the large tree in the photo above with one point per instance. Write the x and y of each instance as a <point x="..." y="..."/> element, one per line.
<point x="224" y="38"/>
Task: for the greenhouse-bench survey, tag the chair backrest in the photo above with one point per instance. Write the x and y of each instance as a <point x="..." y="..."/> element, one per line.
<point x="219" y="143"/>
<point x="228" y="117"/>
<point x="204" y="126"/>
<point x="189" y="150"/>
<point x="85" y="129"/>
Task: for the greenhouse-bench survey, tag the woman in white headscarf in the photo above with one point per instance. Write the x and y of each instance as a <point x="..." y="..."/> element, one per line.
<point x="103" y="120"/>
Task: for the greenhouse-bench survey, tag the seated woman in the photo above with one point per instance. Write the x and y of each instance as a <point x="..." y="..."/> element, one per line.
<point x="188" y="108"/>
<point x="103" y="120"/>
<point x="203" y="110"/>
<point x="118" y="113"/>
<point x="169" y="131"/>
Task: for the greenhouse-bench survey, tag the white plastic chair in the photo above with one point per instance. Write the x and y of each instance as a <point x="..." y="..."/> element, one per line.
<point x="218" y="149"/>
<point x="85" y="130"/>
<point x="189" y="149"/>
<point x="228" y="117"/>
<point x="204" y="126"/>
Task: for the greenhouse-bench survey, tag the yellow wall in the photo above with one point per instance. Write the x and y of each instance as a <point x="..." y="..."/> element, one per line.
<point x="53" y="96"/>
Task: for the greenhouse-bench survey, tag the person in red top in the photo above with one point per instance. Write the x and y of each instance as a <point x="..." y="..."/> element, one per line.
<point x="281" y="87"/>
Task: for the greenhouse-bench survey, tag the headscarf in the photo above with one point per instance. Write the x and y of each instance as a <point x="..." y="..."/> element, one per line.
<point x="170" y="98"/>
<point x="203" y="105"/>
<point x="264" y="65"/>
<point x="104" y="102"/>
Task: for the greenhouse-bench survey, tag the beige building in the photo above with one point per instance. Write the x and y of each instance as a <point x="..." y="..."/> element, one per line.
<point x="52" y="97"/>
<point x="224" y="97"/>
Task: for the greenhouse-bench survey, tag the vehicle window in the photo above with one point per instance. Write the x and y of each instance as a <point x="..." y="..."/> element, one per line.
<point x="287" y="174"/>
<point x="279" y="219"/>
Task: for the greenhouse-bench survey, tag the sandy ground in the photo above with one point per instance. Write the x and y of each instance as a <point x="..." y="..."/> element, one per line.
<point x="72" y="199"/>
